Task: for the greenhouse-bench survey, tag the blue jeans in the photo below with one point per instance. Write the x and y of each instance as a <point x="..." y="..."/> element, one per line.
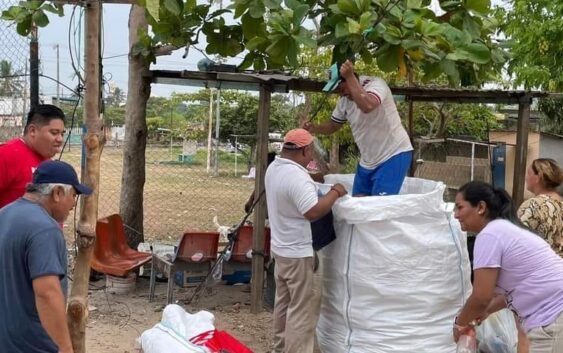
<point x="385" y="179"/>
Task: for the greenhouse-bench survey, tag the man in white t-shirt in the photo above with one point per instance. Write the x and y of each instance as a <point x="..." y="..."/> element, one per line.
<point x="385" y="149"/>
<point x="293" y="202"/>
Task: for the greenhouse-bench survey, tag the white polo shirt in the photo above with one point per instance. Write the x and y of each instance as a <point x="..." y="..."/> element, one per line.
<point x="290" y="193"/>
<point x="379" y="134"/>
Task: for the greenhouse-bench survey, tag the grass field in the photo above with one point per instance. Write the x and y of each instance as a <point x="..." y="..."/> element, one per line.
<point x="177" y="196"/>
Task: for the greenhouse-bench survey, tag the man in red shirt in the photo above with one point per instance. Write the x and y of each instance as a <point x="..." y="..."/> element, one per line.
<point x="42" y="139"/>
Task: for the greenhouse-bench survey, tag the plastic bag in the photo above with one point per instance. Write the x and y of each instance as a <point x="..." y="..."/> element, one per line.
<point x="498" y="333"/>
<point x="467" y="342"/>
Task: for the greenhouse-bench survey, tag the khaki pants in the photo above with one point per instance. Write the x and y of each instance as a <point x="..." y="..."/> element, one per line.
<point x="547" y="339"/>
<point x="294" y="319"/>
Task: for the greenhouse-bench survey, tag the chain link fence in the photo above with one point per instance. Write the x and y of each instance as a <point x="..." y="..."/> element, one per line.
<point x="14" y="82"/>
<point x="179" y="193"/>
<point x="454" y="162"/>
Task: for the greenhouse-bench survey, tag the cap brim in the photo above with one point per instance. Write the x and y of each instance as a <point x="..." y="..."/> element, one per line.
<point x="82" y="189"/>
<point x="331" y="85"/>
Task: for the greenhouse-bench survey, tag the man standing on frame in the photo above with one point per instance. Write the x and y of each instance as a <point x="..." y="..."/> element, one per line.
<point x="293" y="201"/>
<point x="43" y="138"/>
<point x="385" y="148"/>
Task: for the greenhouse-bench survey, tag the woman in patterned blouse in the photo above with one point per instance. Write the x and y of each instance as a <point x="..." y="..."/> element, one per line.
<point x="544" y="212"/>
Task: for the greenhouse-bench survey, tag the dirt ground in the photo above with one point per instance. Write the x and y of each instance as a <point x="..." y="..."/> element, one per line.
<point x="116" y="321"/>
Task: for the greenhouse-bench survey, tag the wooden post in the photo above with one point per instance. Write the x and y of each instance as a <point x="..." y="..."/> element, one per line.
<point x="77" y="312"/>
<point x="260" y="209"/>
<point x="34" y="69"/>
<point x="521" y="150"/>
<point x="412" y="169"/>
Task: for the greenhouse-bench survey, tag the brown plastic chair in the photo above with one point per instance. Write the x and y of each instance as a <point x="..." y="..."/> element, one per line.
<point x="110" y="256"/>
<point x="205" y="243"/>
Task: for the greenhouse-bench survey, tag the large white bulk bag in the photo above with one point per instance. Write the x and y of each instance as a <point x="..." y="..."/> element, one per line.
<point x="397" y="274"/>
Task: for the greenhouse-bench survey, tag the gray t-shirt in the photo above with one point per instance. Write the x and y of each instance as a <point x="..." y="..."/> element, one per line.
<point x="32" y="245"/>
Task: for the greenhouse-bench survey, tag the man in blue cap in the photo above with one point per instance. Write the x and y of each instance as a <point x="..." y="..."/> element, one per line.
<point x="33" y="258"/>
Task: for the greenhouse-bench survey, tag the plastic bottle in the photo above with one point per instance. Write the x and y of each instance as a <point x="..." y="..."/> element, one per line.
<point x="467" y="342"/>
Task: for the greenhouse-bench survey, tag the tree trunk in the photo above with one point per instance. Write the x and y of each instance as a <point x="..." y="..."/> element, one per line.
<point x="138" y="92"/>
<point x="94" y="140"/>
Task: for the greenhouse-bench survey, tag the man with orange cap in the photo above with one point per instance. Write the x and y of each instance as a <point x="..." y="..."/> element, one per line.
<point x="367" y="104"/>
<point x="293" y="201"/>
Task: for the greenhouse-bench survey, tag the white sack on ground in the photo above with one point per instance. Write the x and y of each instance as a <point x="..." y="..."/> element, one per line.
<point x="175" y="330"/>
<point x="396" y="275"/>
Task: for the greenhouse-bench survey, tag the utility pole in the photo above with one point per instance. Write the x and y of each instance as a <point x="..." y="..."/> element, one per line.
<point x="209" y="130"/>
<point x="58" y="78"/>
<point x="34" y="69"/>
<point x="217" y="125"/>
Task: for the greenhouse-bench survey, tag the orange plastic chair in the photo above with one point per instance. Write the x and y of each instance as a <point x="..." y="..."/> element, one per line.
<point x="110" y="254"/>
<point x="195" y="248"/>
<point x="243" y="244"/>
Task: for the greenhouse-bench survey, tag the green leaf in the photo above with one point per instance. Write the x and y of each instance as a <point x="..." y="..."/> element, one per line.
<point x="273" y="4"/>
<point x="50" y="8"/>
<point x="277" y="49"/>
<point x="306" y="39"/>
<point x="348" y="7"/>
<point x="218" y="13"/>
<point x="409" y="44"/>
<point x="40" y="19"/>
<point x="257" y="9"/>
<point x="252" y="27"/>
<point x="367" y="19"/>
<point x="472" y="27"/>
<point x="341" y="30"/>
<point x="173" y="7"/>
<point x="292" y="53"/>
<point x="11" y="13"/>
<point x="430" y="28"/>
<point x="388" y="57"/>
<point x="247" y="62"/>
<point x="450" y="69"/>
<point x="190" y="5"/>
<point x="410" y="19"/>
<point x="392" y="35"/>
<point x="449" y="4"/>
<point x="481" y="6"/>
<point x="414" y="4"/>
<point x="240" y="10"/>
<point x="474" y="52"/>
<point x="353" y="26"/>
<point x="259" y="64"/>
<point x="32" y="5"/>
<point x="299" y="14"/>
<point x="255" y="42"/>
<point x="24" y="27"/>
<point x="292" y="4"/>
<point x="366" y="56"/>
<point x="153" y="7"/>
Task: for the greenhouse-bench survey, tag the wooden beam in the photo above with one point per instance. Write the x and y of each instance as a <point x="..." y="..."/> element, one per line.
<point x="521" y="150"/>
<point x="257" y="286"/>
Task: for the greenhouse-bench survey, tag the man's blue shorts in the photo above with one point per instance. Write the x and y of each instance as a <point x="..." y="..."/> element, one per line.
<point x="385" y="179"/>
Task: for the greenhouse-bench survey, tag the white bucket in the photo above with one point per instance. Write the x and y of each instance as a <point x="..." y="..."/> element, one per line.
<point x="120" y="285"/>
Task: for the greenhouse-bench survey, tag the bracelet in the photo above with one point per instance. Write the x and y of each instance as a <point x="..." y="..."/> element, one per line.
<point x="334" y="189"/>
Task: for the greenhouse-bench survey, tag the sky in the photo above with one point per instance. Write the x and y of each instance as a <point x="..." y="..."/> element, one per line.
<point x="114" y="52"/>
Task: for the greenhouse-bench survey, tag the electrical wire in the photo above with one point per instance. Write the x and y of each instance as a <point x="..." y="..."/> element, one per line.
<point x="76" y="70"/>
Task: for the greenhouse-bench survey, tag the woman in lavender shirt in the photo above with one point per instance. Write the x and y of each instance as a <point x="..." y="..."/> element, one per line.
<point x="513" y="268"/>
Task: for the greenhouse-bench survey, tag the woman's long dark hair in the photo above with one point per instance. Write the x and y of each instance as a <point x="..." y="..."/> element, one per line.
<point x="499" y="203"/>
